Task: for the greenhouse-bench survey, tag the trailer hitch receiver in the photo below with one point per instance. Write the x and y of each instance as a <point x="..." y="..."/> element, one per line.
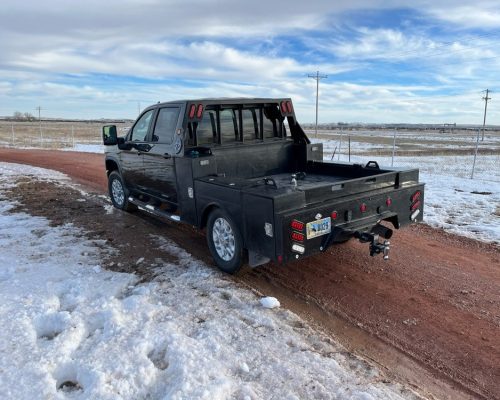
<point x="376" y="247"/>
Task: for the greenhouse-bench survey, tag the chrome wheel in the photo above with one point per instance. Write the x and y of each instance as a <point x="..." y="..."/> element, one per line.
<point x="118" y="192"/>
<point x="224" y="240"/>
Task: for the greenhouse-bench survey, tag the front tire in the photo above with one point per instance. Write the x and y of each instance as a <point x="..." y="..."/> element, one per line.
<point x="119" y="193"/>
<point x="224" y="241"/>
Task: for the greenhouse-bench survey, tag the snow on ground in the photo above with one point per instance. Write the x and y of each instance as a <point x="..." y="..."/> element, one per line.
<point x="85" y="148"/>
<point x="71" y="329"/>
<point x="463" y="206"/>
<point x="453" y="201"/>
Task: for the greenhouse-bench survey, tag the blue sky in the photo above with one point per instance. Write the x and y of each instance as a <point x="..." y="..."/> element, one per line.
<point x="386" y="61"/>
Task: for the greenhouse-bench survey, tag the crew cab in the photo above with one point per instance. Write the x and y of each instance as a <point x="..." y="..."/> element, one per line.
<point x="245" y="170"/>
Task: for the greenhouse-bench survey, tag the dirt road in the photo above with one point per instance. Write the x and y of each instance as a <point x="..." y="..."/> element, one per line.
<point x="430" y="316"/>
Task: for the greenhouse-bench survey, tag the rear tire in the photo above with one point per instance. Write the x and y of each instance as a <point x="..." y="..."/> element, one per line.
<point x="225" y="242"/>
<point x="119" y="192"/>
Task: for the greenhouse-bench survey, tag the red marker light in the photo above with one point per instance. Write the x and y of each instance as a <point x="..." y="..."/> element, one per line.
<point x="280" y="259"/>
<point x="334" y="215"/>
<point x="283" y="107"/>
<point x="298" y="237"/>
<point x="415" y="206"/>
<point x="388" y="202"/>
<point x="297" y="225"/>
<point x="289" y="106"/>
<point x="199" y="111"/>
<point x="363" y="207"/>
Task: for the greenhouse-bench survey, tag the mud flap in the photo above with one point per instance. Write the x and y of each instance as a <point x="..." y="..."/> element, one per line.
<point x="255" y="259"/>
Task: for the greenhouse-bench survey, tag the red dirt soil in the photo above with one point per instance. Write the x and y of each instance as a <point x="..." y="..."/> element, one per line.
<point x="430" y="315"/>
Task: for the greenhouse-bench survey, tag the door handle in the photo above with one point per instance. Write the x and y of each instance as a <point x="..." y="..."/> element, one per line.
<point x="167" y="156"/>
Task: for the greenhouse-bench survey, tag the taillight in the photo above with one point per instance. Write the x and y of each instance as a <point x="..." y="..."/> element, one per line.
<point x="199" y="111"/>
<point x="416" y="196"/>
<point x="283" y="107"/>
<point x="388" y="202"/>
<point x="297" y="225"/>
<point x="415" y="206"/>
<point x="289" y="106"/>
<point x="298" y="237"/>
<point x="192" y="110"/>
<point x="363" y="207"/>
<point x="334" y="214"/>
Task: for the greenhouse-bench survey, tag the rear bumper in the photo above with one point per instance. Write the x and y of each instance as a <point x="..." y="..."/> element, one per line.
<point x="347" y="216"/>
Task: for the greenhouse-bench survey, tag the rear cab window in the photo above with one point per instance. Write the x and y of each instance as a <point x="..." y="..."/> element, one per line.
<point x="230" y="124"/>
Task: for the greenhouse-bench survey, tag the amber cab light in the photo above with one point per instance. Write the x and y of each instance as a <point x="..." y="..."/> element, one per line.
<point x="297" y="225"/>
<point x="298" y="237"/>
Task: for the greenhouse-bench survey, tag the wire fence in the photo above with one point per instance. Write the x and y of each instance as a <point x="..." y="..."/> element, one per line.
<point x="458" y="153"/>
<point x="53" y="135"/>
<point x="462" y="154"/>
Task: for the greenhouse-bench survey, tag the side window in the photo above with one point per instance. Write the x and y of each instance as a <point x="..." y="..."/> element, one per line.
<point x="228" y="127"/>
<point x="206" y="132"/>
<point x="166" y="122"/>
<point x="250" y="129"/>
<point x="140" y="129"/>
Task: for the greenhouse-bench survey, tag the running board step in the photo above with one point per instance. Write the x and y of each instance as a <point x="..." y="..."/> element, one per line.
<point x="153" y="210"/>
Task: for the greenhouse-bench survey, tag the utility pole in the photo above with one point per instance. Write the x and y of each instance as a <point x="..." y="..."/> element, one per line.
<point x="317" y="77"/>
<point x="485" y="98"/>
<point x="39" y="109"/>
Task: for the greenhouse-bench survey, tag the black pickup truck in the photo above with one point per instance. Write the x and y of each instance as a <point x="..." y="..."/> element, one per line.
<point x="245" y="170"/>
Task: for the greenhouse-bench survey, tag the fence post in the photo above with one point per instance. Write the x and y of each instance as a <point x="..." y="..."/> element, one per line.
<point x="73" y="135"/>
<point x="393" y="149"/>
<point x="41" y="135"/>
<point x="475" y="155"/>
<point x="340" y="144"/>
<point x="13" y="136"/>
<point x="349" y="136"/>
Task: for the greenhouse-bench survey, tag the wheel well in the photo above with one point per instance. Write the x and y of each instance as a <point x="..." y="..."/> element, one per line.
<point x="111" y="166"/>
<point x="206" y="213"/>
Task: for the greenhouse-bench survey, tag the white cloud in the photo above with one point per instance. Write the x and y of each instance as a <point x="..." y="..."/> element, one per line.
<point x="483" y="15"/>
<point x="224" y="48"/>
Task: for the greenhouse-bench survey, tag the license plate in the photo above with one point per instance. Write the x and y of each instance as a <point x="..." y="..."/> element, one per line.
<point x="319" y="227"/>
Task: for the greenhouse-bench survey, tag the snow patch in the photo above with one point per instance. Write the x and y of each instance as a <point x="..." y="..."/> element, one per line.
<point x="269" y="302"/>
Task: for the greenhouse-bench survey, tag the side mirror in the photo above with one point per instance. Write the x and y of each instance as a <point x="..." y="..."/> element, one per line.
<point x="109" y="136"/>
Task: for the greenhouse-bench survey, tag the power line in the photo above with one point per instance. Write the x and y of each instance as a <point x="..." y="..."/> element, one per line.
<point x="485" y="98"/>
<point x="317" y="77"/>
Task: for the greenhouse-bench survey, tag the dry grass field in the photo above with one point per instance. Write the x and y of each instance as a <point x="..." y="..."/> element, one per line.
<point x="53" y="135"/>
<point x="450" y="152"/>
